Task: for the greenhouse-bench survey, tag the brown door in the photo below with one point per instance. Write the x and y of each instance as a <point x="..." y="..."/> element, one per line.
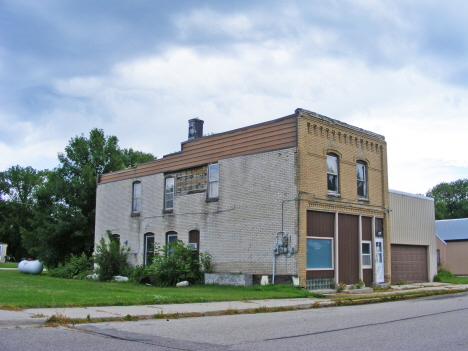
<point x="348" y="248"/>
<point x="409" y="263"/>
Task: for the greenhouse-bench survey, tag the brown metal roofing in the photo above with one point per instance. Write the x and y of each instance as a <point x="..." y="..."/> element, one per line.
<point x="273" y="135"/>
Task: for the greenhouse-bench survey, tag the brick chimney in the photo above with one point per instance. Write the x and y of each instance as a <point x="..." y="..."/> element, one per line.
<point x="195" y="129"/>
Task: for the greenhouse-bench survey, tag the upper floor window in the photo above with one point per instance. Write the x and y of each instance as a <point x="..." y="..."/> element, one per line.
<point x="213" y="181"/>
<point x="169" y="194"/>
<point x="136" y="197"/>
<point x="361" y="173"/>
<point x="332" y="173"/>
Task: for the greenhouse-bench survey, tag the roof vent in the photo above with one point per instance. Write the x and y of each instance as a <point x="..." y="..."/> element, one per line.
<point x="195" y="129"/>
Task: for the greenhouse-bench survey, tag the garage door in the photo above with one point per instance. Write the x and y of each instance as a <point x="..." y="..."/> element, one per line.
<point x="409" y="263"/>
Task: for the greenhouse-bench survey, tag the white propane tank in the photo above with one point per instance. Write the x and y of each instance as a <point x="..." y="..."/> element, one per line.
<point x="30" y="267"/>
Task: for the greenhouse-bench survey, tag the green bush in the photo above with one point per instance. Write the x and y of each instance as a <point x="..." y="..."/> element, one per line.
<point x="111" y="259"/>
<point x="443" y="273"/>
<point x="177" y="262"/>
<point x="138" y="273"/>
<point x="77" y="266"/>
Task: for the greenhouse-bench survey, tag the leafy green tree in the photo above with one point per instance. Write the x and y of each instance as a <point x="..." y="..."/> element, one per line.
<point x="133" y="158"/>
<point x="64" y="213"/>
<point x="451" y="199"/>
<point x="59" y="230"/>
<point x="18" y="187"/>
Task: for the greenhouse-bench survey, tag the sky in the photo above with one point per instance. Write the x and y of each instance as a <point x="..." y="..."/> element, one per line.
<point x="140" y="70"/>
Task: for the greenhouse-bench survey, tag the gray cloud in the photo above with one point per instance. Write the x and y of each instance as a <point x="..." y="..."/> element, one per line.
<point x="141" y="69"/>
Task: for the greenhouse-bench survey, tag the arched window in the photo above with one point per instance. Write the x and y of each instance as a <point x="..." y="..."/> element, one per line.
<point x="194" y="239"/>
<point x="116" y="238"/>
<point x="332" y="174"/>
<point x="171" y="237"/>
<point x="149" y="249"/>
<point x="136" y="197"/>
<point x="361" y="175"/>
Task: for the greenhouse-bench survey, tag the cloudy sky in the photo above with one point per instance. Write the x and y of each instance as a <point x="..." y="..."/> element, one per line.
<point x="141" y="69"/>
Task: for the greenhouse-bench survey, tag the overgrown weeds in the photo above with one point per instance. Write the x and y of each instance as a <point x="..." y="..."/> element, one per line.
<point x="76" y="267"/>
<point x="443" y="273"/>
<point x="176" y="262"/>
<point x="111" y="259"/>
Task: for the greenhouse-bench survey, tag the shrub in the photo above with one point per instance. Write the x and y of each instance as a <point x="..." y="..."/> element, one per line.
<point x="111" y="259"/>
<point x="177" y="262"/>
<point x="138" y="273"/>
<point x="445" y="273"/>
<point x="442" y="274"/>
<point x="77" y="266"/>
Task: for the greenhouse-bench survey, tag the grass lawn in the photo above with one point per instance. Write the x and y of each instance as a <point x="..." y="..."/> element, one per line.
<point x="28" y="291"/>
<point x="8" y="264"/>
<point x="455" y="280"/>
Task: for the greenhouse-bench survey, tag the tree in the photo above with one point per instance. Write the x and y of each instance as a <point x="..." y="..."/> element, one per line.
<point x="451" y="199"/>
<point x="18" y="187"/>
<point x="133" y="158"/>
<point x="64" y="213"/>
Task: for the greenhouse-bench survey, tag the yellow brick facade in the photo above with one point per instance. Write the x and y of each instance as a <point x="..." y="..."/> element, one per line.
<point x="318" y="136"/>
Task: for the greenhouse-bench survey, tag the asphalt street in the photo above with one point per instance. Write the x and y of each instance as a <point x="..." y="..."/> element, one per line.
<point x="433" y="323"/>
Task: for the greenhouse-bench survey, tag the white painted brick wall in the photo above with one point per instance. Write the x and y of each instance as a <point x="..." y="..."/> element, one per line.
<point x="239" y="230"/>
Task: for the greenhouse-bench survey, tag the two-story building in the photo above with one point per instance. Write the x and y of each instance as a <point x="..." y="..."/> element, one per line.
<point x="317" y="182"/>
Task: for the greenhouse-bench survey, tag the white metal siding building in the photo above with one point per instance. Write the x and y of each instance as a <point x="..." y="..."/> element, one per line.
<point x="413" y="237"/>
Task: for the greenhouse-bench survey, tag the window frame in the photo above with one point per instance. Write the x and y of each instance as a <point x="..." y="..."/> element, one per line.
<point x="364" y="181"/>
<point x="209" y="196"/>
<point x="332" y="255"/>
<point x="166" y="208"/>
<point x="194" y="244"/>
<point x="169" y="234"/>
<point x="145" y="257"/>
<point x="366" y="242"/>
<point x="116" y="238"/>
<point x="136" y="211"/>
<point x="336" y="191"/>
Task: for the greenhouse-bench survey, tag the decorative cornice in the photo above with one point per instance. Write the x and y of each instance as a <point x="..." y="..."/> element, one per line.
<point x="305" y="113"/>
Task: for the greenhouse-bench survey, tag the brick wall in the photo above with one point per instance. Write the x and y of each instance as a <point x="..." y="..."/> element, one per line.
<point x="238" y="230"/>
<point x="319" y="135"/>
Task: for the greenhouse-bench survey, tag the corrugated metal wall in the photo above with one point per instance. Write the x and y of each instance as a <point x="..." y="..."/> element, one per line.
<point x="412" y="222"/>
<point x="457" y="258"/>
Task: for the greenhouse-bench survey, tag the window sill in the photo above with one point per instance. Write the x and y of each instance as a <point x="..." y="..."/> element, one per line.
<point x="169" y="210"/>
<point x="212" y="199"/>
<point x="364" y="199"/>
<point x="332" y="194"/>
<point x="135" y="214"/>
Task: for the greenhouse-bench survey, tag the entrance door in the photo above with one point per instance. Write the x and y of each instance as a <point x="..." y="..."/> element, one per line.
<point x="379" y="261"/>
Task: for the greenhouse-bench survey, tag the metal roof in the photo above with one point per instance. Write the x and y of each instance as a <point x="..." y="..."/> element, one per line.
<point x="411" y="195"/>
<point x="452" y="229"/>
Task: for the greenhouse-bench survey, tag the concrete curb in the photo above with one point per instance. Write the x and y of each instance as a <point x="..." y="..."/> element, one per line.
<point x="22" y="322"/>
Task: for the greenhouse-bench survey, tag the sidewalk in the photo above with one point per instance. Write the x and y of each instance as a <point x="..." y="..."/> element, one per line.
<point x="38" y="316"/>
